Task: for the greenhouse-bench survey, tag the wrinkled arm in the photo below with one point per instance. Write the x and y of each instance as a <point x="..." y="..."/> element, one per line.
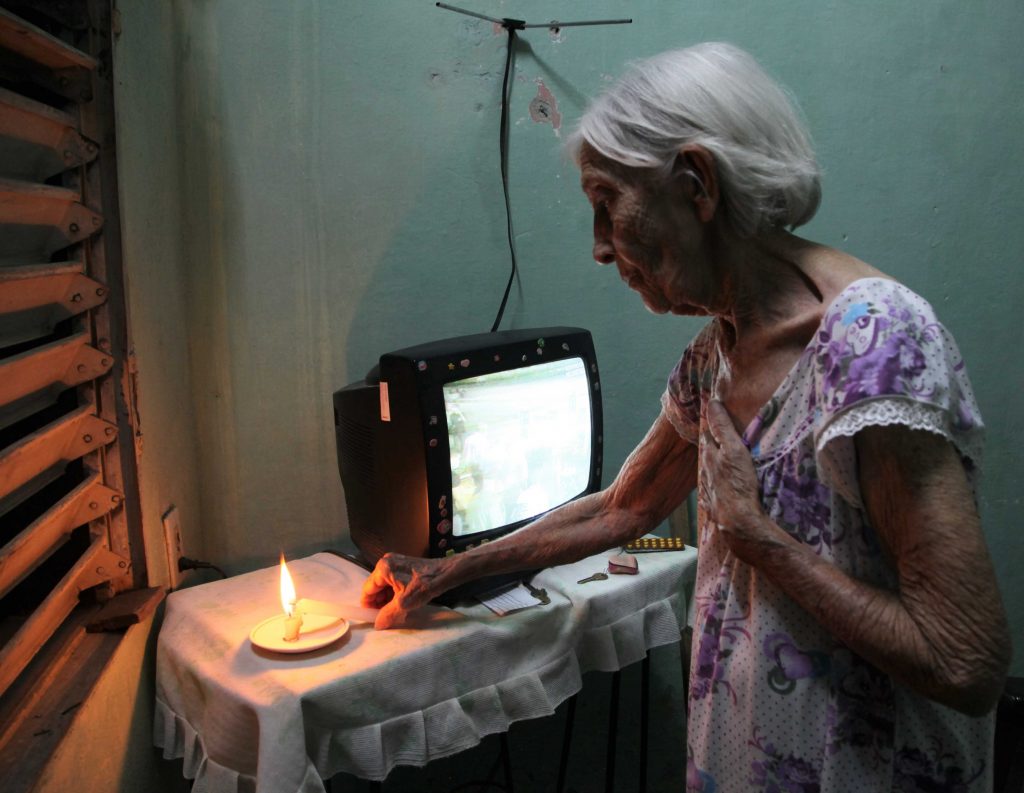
<point x="653" y="481"/>
<point x="946" y="625"/>
<point x="943" y="633"/>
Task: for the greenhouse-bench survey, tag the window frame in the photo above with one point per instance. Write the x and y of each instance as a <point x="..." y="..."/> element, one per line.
<point x="63" y="54"/>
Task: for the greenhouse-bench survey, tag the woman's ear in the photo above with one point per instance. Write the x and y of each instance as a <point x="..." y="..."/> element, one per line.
<point x="697" y="166"/>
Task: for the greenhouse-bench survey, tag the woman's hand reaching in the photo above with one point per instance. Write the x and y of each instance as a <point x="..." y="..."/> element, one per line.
<point x="728" y="488"/>
<point x="399" y="584"/>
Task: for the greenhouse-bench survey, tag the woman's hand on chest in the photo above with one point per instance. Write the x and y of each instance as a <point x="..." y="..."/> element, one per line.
<point x="728" y="488"/>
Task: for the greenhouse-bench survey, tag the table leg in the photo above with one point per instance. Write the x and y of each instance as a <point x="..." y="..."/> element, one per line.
<point x="563" y="765"/>
<point x="506" y="759"/>
<point x="613" y="734"/>
<point x="645" y="691"/>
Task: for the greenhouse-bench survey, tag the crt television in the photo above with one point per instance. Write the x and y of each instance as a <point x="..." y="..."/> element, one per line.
<point x="457" y="442"/>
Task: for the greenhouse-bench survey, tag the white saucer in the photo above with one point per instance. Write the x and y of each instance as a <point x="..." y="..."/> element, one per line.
<point x="269" y="634"/>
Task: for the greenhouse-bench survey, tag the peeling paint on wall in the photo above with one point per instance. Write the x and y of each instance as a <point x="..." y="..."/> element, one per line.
<point x="544" y="107"/>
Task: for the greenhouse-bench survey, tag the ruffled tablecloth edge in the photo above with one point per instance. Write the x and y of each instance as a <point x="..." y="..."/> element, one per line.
<point x="179" y="739"/>
<point x="479" y="713"/>
<point x="491" y="709"/>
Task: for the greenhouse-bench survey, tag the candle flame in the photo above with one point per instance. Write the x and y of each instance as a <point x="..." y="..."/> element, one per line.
<point x="288" y="597"/>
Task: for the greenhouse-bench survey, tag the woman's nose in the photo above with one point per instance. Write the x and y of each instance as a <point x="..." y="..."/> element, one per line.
<point x="604" y="251"/>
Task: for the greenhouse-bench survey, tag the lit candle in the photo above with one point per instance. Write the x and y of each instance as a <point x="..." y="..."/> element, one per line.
<point x="293" y="617"/>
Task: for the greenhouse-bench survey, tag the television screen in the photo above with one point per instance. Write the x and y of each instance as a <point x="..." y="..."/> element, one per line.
<point x="457" y="442"/>
<point x="519" y="443"/>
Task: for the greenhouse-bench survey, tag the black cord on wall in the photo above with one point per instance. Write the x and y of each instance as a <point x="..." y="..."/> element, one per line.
<point x="185" y="564"/>
<point x="511" y="25"/>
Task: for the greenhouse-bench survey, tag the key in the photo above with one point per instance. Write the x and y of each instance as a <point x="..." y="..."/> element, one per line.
<point x="540" y="594"/>
<point x="594" y="577"/>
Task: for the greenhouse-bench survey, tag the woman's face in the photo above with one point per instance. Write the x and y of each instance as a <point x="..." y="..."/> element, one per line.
<point x="648" y="228"/>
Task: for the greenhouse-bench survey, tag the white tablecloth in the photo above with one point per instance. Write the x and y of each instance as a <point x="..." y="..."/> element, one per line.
<point x="244" y="719"/>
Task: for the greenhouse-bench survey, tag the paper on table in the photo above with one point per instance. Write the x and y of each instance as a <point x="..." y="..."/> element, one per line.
<point x="315" y="609"/>
<point x="505" y="601"/>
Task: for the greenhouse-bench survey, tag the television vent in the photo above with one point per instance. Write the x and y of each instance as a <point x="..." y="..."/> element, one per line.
<point x="355" y="450"/>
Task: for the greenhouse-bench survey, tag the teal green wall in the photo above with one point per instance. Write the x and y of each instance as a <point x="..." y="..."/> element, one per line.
<point x="329" y="171"/>
<point x="306" y="184"/>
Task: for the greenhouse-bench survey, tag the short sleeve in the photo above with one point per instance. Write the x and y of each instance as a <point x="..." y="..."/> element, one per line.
<point x="689" y="383"/>
<point x="883" y="358"/>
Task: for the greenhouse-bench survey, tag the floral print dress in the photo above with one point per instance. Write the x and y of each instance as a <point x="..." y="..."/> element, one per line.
<point x="777" y="703"/>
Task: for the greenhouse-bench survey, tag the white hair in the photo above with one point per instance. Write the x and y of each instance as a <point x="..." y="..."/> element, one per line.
<point x="715" y="95"/>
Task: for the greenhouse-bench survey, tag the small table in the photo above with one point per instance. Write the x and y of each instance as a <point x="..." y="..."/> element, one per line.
<point x="245" y="719"/>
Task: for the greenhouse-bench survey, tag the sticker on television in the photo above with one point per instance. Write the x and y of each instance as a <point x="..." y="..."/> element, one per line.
<point x="385" y="404"/>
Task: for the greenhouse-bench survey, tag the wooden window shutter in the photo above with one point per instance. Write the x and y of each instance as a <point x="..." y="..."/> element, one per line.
<point x="70" y="525"/>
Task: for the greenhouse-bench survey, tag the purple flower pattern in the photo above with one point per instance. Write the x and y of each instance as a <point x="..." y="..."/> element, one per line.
<point x="860" y="708"/>
<point x="778" y="773"/>
<point x="790" y="663"/>
<point x="797" y="501"/>
<point x="917" y="771"/>
<point x="754" y="653"/>
<point x="718" y="634"/>
<point x="875" y="348"/>
<point x="691" y="381"/>
<point x="697" y="779"/>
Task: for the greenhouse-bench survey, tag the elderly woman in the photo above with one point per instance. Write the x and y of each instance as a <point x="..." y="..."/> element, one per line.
<point x="849" y="632"/>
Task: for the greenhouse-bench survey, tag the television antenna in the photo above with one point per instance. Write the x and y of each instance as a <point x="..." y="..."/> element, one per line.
<point x="511" y="26"/>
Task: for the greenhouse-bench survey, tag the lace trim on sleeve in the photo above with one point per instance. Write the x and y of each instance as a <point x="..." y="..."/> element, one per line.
<point x="837" y="458"/>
